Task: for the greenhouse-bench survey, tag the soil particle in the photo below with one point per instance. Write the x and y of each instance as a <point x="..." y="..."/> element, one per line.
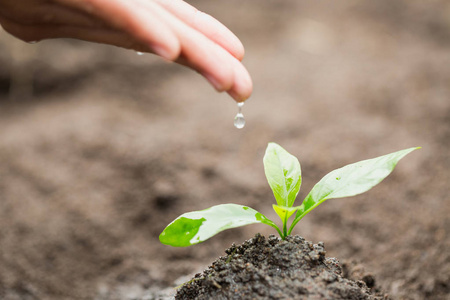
<point x="273" y="268"/>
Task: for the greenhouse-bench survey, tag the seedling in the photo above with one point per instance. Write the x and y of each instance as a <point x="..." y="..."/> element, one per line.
<point x="283" y="173"/>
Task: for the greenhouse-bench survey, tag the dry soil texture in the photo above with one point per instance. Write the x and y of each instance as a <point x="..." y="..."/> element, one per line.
<point x="101" y="148"/>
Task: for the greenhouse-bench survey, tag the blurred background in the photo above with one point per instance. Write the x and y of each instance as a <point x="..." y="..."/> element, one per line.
<point x="101" y="148"/>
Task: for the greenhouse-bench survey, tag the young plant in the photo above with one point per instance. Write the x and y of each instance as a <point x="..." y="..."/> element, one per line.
<point x="283" y="173"/>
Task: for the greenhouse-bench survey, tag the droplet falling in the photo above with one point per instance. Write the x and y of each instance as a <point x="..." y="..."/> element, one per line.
<point x="239" y="121"/>
<point x="139" y="53"/>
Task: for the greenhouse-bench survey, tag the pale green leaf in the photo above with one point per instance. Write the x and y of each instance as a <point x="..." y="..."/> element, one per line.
<point x="284" y="212"/>
<point x="283" y="173"/>
<point x="195" y="227"/>
<point x="350" y="180"/>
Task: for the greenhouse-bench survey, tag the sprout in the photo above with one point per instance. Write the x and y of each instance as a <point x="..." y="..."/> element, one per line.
<point x="283" y="173"/>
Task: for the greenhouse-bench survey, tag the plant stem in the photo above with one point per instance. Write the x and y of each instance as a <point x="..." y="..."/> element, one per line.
<point x="279" y="232"/>
<point x="285" y="233"/>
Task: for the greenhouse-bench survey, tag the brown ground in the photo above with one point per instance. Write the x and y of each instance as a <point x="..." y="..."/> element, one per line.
<point x="271" y="268"/>
<point x="113" y="146"/>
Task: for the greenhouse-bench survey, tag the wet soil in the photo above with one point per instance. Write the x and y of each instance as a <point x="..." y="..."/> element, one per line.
<point x="273" y="268"/>
<point x="101" y="148"/>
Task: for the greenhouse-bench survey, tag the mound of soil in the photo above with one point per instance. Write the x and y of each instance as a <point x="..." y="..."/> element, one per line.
<point x="276" y="269"/>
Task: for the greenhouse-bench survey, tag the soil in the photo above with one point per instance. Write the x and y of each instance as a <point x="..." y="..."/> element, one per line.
<point x="101" y="148"/>
<point x="276" y="269"/>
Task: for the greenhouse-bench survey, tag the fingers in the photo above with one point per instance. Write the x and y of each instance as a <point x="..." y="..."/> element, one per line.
<point x="145" y="26"/>
<point x="215" y="63"/>
<point x="172" y="29"/>
<point x="98" y="35"/>
<point x="242" y="85"/>
<point x="205" y="24"/>
<point x="202" y="42"/>
<point x="218" y="33"/>
<point x="202" y="54"/>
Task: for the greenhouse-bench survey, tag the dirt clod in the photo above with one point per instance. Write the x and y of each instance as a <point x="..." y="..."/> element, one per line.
<point x="273" y="268"/>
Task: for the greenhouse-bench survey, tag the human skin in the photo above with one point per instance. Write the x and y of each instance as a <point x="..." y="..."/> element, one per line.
<point x="172" y="29"/>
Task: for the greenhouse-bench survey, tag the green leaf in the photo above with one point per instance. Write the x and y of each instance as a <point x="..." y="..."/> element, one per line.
<point x="283" y="173"/>
<point x="350" y="180"/>
<point x="195" y="227"/>
<point x="284" y="212"/>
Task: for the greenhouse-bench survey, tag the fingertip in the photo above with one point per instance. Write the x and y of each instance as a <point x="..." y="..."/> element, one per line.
<point x="216" y="67"/>
<point x="170" y="50"/>
<point x="219" y="85"/>
<point x="239" y="50"/>
<point x="240" y="96"/>
<point x="242" y="86"/>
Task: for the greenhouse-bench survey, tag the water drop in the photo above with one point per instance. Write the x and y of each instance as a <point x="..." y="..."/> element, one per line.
<point x="139" y="53"/>
<point x="239" y="121"/>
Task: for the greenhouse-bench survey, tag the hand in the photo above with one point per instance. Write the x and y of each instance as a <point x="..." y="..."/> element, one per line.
<point x="171" y="29"/>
